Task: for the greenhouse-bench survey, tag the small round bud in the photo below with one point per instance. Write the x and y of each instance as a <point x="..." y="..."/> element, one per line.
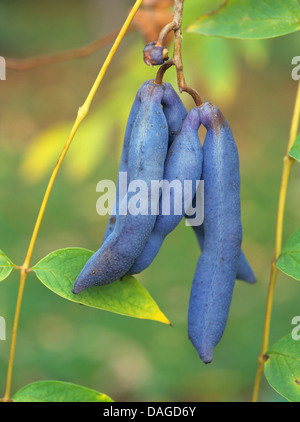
<point x="155" y="54"/>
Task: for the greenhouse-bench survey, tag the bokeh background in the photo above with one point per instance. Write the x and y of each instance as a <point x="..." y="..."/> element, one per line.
<point x="129" y="359"/>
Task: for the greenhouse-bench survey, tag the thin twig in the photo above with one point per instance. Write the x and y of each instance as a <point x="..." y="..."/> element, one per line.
<point x="176" y="26"/>
<point x="165" y="32"/>
<point x="287" y="165"/>
<point x="162" y="70"/>
<point x="75" y="53"/>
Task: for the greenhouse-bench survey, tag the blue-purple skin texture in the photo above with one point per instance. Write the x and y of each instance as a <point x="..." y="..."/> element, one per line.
<point x="147" y="154"/>
<point x="184" y="162"/>
<point x="154" y="54"/>
<point x="124" y="161"/>
<point x="214" y="279"/>
<point x="175" y="113"/>
<point x="244" y="271"/>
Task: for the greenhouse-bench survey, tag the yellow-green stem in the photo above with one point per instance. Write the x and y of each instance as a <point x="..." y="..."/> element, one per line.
<point x="13" y="339"/>
<point x="287" y="165"/>
<point x="82" y="113"/>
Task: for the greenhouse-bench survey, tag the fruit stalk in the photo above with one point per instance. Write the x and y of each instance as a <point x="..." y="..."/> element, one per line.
<point x="176" y="60"/>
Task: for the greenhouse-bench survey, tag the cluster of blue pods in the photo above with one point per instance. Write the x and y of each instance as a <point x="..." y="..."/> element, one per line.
<point x="161" y="143"/>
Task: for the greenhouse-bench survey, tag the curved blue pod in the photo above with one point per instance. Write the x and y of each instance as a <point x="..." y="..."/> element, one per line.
<point x="123" y="167"/>
<point x="183" y="163"/>
<point x="214" y="279"/>
<point x="147" y="154"/>
<point x="174" y="111"/>
<point x="244" y="271"/>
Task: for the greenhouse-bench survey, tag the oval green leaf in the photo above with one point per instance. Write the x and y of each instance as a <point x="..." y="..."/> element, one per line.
<point x="282" y="368"/>
<point x="57" y="391"/>
<point x="295" y="150"/>
<point x="6" y="266"/>
<point x="59" y="270"/>
<point x="248" y="19"/>
<point x="289" y="259"/>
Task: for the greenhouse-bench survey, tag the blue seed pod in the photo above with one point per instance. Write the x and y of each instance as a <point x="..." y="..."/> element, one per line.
<point x="184" y="162"/>
<point x="147" y="154"/>
<point x="123" y="162"/>
<point x="174" y="110"/>
<point x="244" y="271"/>
<point x="175" y="113"/>
<point x="214" y="279"/>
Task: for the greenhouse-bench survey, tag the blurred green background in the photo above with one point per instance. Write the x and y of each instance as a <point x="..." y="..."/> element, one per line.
<point x="128" y="359"/>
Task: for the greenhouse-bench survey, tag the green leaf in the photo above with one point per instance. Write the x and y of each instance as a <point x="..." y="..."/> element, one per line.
<point x="295" y="150"/>
<point x="289" y="259"/>
<point x="57" y="391"/>
<point x="282" y="368"/>
<point x="248" y="19"/>
<point x="6" y="266"/>
<point x="59" y="270"/>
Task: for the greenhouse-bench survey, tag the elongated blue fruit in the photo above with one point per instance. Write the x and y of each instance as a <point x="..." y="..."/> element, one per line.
<point x="175" y="113"/>
<point x="214" y="279"/>
<point x="123" y="162"/>
<point x="147" y="153"/>
<point x="183" y="163"/>
<point x="244" y="271"/>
